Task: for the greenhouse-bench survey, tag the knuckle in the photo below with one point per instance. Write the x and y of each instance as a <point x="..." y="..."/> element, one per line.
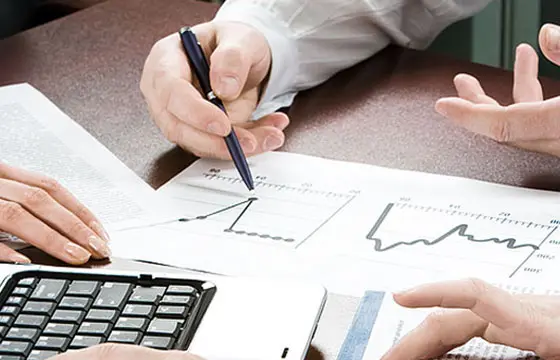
<point x="500" y="130"/>
<point x="104" y="351"/>
<point x="435" y="321"/>
<point x="478" y="287"/>
<point x="11" y="211"/>
<point x="49" y="184"/>
<point x="51" y="238"/>
<point x="77" y="228"/>
<point x="232" y="57"/>
<point x="35" y="197"/>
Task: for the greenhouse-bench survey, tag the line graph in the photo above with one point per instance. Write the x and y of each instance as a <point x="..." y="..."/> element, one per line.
<point x="450" y="231"/>
<point x="460" y="230"/>
<point x="282" y="214"/>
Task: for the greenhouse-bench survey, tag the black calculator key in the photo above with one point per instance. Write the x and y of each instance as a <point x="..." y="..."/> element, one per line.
<point x="6" y="320"/>
<point x="23" y="334"/>
<point x="35" y="321"/>
<point x="113" y="296"/>
<point x="139" y="324"/>
<point x="3" y="331"/>
<point x="181" y="290"/>
<point x="9" y="310"/>
<point x="163" y="327"/>
<point x="172" y="311"/>
<point x="73" y="302"/>
<point x="157" y="342"/>
<point x="68" y="316"/>
<point x="8" y="347"/>
<point x="15" y="301"/>
<point x="83" y="288"/>
<point x="80" y="341"/>
<point x="67" y="330"/>
<point x="92" y="328"/>
<point x="39" y="308"/>
<point x="177" y="300"/>
<point x="50" y="290"/>
<point x="52" y="343"/>
<point x="41" y="354"/>
<point x="146" y="295"/>
<point x="22" y="291"/>
<point x="127" y="337"/>
<point x="139" y="310"/>
<point x="27" y="282"/>
<point x="102" y="315"/>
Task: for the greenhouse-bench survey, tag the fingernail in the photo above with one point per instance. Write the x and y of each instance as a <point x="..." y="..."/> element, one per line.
<point x="76" y="252"/>
<point x="553" y="39"/>
<point x="272" y="142"/>
<point x="228" y="87"/>
<point x="18" y="258"/>
<point x="247" y="144"/>
<point x="441" y="110"/>
<point x="216" y="128"/>
<point x="100" y="230"/>
<point x="99" y="246"/>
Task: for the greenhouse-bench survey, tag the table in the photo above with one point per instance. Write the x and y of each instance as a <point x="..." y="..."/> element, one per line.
<point x="379" y="112"/>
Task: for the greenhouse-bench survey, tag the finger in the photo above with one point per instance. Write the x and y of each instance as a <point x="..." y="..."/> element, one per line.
<point x="549" y="41"/>
<point x="526" y="85"/>
<point x="518" y="122"/>
<point x="278" y="120"/>
<point x="17" y="221"/>
<point x="202" y="144"/>
<point x="58" y="193"/>
<point x="8" y="254"/>
<point x="187" y="105"/>
<point x="490" y="303"/>
<point x="40" y="204"/>
<point x="240" y="60"/>
<point x="268" y="138"/>
<point x="438" y="334"/>
<point x="469" y="88"/>
<point x="110" y="351"/>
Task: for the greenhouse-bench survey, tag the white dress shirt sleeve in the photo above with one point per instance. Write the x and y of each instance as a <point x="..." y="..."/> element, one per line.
<point x="311" y="40"/>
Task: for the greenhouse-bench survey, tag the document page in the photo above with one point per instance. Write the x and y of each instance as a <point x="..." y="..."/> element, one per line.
<point x="344" y="224"/>
<point x="36" y="135"/>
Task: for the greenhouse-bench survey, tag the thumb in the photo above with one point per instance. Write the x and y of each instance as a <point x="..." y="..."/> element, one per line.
<point x="240" y="60"/>
<point x="549" y="41"/>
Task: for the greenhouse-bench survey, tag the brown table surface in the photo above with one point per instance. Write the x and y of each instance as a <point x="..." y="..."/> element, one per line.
<point x="379" y="112"/>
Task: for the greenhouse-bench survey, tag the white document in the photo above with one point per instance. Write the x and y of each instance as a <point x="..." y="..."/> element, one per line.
<point x="36" y="135"/>
<point x="350" y="226"/>
<point x="376" y="329"/>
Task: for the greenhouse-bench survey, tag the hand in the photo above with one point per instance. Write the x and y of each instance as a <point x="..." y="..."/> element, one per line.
<point x="123" y="352"/>
<point x="525" y="322"/>
<point x="530" y="123"/>
<point x="42" y="213"/>
<point x="239" y="63"/>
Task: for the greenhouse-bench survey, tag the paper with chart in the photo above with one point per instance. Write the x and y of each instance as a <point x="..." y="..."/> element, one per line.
<point x="36" y="135"/>
<point x="345" y="224"/>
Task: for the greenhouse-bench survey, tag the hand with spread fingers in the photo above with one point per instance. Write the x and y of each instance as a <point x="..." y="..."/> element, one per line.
<point x="531" y="122"/>
<point x="240" y="59"/>
<point x="39" y="211"/>
<point x="477" y="309"/>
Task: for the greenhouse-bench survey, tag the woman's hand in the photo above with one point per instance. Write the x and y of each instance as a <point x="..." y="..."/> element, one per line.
<point x="526" y="322"/>
<point x="531" y="122"/>
<point x="39" y="211"/>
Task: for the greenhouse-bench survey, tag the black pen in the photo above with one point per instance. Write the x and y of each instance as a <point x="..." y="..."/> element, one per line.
<point x="200" y="66"/>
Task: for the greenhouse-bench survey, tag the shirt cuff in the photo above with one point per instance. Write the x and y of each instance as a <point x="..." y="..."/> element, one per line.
<point x="279" y="91"/>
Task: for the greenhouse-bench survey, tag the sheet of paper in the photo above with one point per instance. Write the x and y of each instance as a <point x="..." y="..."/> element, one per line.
<point x="351" y="226"/>
<point x="36" y="135"/>
<point x="380" y="323"/>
